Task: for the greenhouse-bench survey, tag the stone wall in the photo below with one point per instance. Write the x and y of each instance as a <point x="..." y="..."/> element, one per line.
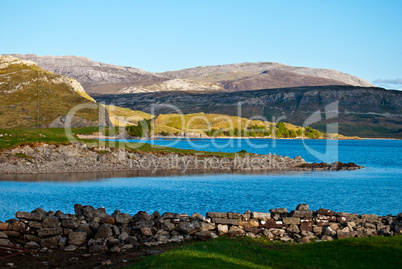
<point x="95" y="230"/>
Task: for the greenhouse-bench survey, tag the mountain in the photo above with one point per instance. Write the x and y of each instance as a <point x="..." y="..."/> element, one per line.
<point x="21" y="107"/>
<point x="101" y="78"/>
<point x="363" y="111"/>
<point x="231" y="72"/>
<point x="94" y="76"/>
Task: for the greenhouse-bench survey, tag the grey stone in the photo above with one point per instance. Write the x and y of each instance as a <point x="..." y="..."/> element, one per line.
<point x="31" y="245"/>
<point x="278" y="211"/>
<point x="225" y="221"/>
<point x="217" y="215"/>
<point x="50" y="222"/>
<point x="260" y="215"/>
<point x="44" y="232"/>
<point x="302" y="214"/>
<point x="302" y="207"/>
<point x="77" y="238"/>
<point x="103" y="231"/>
<point x="292" y="220"/>
<point x="70" y="248"/>
<point x="51" y="242"/>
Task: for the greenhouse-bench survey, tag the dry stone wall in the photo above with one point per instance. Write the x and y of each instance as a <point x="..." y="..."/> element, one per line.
<point x="95" y="230"/>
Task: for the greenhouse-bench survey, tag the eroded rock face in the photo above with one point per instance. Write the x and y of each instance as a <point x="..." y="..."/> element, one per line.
<point x="85" y="228"/>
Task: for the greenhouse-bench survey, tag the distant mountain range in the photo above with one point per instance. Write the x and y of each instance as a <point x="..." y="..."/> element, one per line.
<point x="265" y="89"/>
<point x="363" y="111"/>
<point x="101" y="78"/>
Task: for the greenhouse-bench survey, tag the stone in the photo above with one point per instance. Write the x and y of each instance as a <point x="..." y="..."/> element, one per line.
<point x="326" y="238"/>
<point x="268" y="234"/>
<point x="251" y="223"/>
<point x="207" y="226"/>
<point x="50" y="222"/>
<point x="325" y="212"/>
<point x="31" y="245"/>
<point x="70" y="248"/>
<point x="143" y="223"/>
<point x="351" y="224"/>
<point x="235" y="230"/>
<point x="292" y="220"/>
<point x="77" y="238"/>
<point x="168" y="226"/>
<point x="44" y="232"/>
<point x="107" y="219"/>
<point x="19" y="226"/>
<point x="217" y="215"/>
<point x="38" y="214"/>
<point x="98" y="248"/>
<point x="302" y="214"/>
<point x="204" y="235"/>
<point x="302" y="207"/>
<point x="233" y="215"/>
<point x="196" y="216"/>
<point x="226" y="221"/>
<point x="334" y="226"/>
<point x="369" y="217"/>
<point x="63" y="241"/>
<point x="146" y="231"/>
<point x="293" y="228"/>
<point x="370" y="226"/>
<point x="169" y="215"/>
<point x="142" y="216"/>
<point x="273" y="224"/>
<point x="260" y="216"/>
<point x="222" y="229"/>
<point x="342" y="219"/>
<point x="123" y="236"/>
<point x="317" y="229"/>
<point x="51" y="242"/>
<point x="304" y="240"/>
<point x="3" y="235"/>
<point x="306" y="227"/>
<point x="278" y="233"/>
<point x="278" y="211"/>
<point x="4" y="226"/>
<point x="327" y="218"/>
<point x="12" y="233"/>
<point x="103" y="231"/>
<point x="69" y="224"/>
<point x="122" y="219"/>
<point x="35" y="224"/>
<point x="188" y="228"/>
<point x="329" y="231"/>
<point x="5" y="242"/>
<point x="345" y="233"/>
<point x="307" y="221"/>
<point x="322" y="223"/>
<point x="29" y="237"/>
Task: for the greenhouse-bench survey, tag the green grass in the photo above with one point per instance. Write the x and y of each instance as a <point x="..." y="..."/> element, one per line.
<point x="19" y="137"/>
<point x="374" y="252"/>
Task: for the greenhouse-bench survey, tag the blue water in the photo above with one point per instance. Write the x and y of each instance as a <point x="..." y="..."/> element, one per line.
<point x="374" y="190"/>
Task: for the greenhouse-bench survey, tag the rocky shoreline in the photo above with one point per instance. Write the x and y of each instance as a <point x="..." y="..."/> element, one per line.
<point x="80" y="157"/>
<point x="96" y="231"/>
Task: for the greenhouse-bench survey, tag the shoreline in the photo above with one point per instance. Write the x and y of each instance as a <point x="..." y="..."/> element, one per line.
<point x="81" y="158"/>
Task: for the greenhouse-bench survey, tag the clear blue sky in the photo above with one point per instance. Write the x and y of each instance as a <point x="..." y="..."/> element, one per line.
<point x="360" y="37"/>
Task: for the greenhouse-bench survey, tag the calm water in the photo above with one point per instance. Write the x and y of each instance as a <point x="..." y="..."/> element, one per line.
<point x="375" y="189"/>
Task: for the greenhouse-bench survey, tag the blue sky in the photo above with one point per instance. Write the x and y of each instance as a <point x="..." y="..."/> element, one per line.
<point x="362" y="38"/>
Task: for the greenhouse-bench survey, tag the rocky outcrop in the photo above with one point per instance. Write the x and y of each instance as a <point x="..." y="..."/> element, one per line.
<point x="96" y="231"/>
<point x="79" y="157"/>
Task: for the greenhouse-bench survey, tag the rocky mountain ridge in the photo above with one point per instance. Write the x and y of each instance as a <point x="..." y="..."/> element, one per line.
<point x="101" y="78"/>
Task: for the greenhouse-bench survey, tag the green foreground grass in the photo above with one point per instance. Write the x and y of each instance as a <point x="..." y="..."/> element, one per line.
<point x="374" y="252"/>
<point x="18" y="137"/>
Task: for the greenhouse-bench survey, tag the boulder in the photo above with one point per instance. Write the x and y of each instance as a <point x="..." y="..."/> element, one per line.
<point x="233" y="215"/>
<point x="293" y="228"/>
<point x="278" y="211"/>
<point x="146" y="231"/>
<point x="260" y="216"/>
<point x="222" y="229"/>
<point x="329" y="231"/>
<point x="188" y="228"/>
<point x="51" y="242"/>
<point x="44" y="232"/>
<point x="273" y="224"/>
<point x="19" y="226"/>
<point x="251" y="223"/>
<point x="325" y="212"/>
<point x="107" y="219"/>
<point x="4" y="226"/>
<point x="77" y="238"/>
<point x="302" y="207"/>
<point x="302" y="214"/>
<point x="31" y="245"/>
<point x="50" y="222"/>
<point x="204" y="235"/>
<point x="217" y="215"/>
<point x="103" y="231"/>
<point x="292" y="220"/>
<point x="226" y="221"/>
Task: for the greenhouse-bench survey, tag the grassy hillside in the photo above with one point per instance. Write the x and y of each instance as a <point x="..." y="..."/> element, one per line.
<point x="19" y="84"/>
<point x="373" y="252"/>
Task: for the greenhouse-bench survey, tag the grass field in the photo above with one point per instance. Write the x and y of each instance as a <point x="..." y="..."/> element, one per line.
<point x="373" y="252"/>
<point x="10" y="138"/>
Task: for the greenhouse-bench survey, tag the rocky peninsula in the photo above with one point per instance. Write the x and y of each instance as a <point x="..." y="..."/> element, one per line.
<point x="80" y="157"/>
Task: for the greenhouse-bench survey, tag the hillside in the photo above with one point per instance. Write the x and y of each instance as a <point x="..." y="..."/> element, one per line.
<point x="363" y="111"/>
<point x="94" y="76"/>
<point x="20" y="82"/>
<point x="101" y="78"/>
